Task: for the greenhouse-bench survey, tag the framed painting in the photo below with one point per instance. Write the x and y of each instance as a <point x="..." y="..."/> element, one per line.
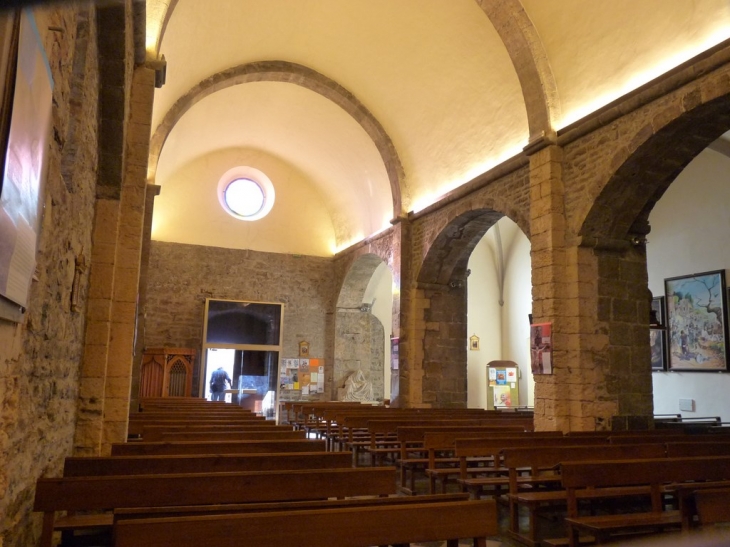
<point x="658" y="345"/>
<point x="696" y="322"/>
<point x="657" y="312"/>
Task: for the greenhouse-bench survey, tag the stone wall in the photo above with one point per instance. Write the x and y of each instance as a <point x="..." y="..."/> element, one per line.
<point x="39" y="357"/>
<point x="359" y="338"/>
<point x="181" y="277"/>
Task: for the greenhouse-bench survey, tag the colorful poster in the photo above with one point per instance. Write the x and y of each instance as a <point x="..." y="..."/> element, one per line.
<point x="502" y="396"/>
<point x="541" y="348"/>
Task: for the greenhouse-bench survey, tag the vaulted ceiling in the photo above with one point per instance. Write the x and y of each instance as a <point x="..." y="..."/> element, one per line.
<point x="362" y="110"/>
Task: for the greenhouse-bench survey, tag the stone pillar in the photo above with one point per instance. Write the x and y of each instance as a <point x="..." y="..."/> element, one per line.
<point x="550" y="287"/>
<point x="104" y="393"/>
<point x="595" y="294"/>
<point x="152" y="191"/>
<point x="444" y="345"/>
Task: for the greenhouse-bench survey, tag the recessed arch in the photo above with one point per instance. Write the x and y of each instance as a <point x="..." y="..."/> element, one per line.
<point x="360" y="335"/>
<point x="284" y="71"/>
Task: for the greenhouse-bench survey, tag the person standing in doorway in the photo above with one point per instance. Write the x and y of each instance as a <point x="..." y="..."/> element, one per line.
<point x="218" y="384"/>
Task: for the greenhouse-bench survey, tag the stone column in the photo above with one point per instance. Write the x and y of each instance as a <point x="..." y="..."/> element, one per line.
<point x="444" y="345"/>
<point x="595" y="295"/>
<point x="104" y="393"/>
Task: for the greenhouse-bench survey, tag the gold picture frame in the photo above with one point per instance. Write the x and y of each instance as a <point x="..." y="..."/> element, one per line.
<point x="474" y="343"/>
<point x="303" y="349"/>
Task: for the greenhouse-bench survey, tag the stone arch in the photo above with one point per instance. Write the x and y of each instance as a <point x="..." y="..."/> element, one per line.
<point x="359" y="335"/>
<point x="620" y="212"/>
<point x="612" y="247"/>
<point x="531" y="64"/>
<point x="292" y="73"/>
<point x="441" y="285"/>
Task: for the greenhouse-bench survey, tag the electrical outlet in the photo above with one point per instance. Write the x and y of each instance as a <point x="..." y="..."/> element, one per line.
<point x="687" y="405"/>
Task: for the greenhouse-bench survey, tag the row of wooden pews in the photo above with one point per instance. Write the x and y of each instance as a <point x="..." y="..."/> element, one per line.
<point x="576" y="475"/>
<point x="198" y="472"/>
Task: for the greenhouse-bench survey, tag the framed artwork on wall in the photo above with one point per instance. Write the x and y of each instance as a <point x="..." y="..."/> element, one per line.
<point x="658" y="313"/>
<point x="474" y="343"/>
<point x="541" y="348"/>
<point x="303" y="349"/>
<point x="696" y="322"/>
<point x="658" y="344"/>
<point x="658" y="335"/>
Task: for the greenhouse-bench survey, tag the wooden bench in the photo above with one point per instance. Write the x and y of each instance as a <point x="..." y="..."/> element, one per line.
<point x="155" y="432"/>
<point x="209" y="463"/>
<point x="110" y="492"/>
<point x="446" y="467"/>
<point x="590" y="477"/>
<point x="246" y="435"/>
<point x="136" y="427"/>
<point x="344" y="527"/>
<point x="541" y="461"/>
<point x="216" y="447"/>
<point x="498" y="481"/>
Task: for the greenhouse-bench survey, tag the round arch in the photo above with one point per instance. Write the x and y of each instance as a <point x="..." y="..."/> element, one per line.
<point x="292" y="73"/>
<point x="361" y="329"/>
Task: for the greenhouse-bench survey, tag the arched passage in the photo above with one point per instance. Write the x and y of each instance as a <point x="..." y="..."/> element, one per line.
<point x="364" y="310"/>
<point x="613" y="245"/>
<point x="442" y="284"/>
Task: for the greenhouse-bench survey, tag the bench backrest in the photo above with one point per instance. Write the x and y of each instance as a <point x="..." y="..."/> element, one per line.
<point x="607" y="473"/>
<point x="550" y="456"/>
<point x="97" y="493"/>
<point x="151" y="465"/>
<point x="154" y="432"/>
<point x="216" y="447"/>
<point x="232" y="435"/>
<point x="690" y="449"/>
<point x="346" y="527"/>
<point x="492" y="447"/>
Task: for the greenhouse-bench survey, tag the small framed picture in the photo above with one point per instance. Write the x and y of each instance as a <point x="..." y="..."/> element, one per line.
<point x="303" y="349"/>
<point x="657" y="312"/>
<point x="474" y="343"/>
<point x="658" y="344"/>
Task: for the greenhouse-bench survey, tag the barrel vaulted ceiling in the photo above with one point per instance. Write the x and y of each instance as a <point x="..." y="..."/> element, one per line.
<point x="360" y="111"/>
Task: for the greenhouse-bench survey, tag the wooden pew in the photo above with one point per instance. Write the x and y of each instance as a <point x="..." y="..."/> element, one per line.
<point x="590" y="477"/>
<point x="541" y="461"/>
<point x="492" y="448"/>
<point x="443" y="440"/>
<point x="136" y="427"/>
<point x="197" y="463"/>
<point x="216" y="447"/>
<point x="344" y="527"/>
<point x="232" y="435"/>
<point x="110" y="492"/>
<point x="154" y="432"/>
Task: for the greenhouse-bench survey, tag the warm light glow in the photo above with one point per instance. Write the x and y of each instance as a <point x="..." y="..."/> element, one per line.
<point x="421" y="202"/>
<point x="156" y="11"/>
<point x="641" y="78"/>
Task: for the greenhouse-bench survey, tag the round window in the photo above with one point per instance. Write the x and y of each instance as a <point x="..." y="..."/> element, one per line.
<point x="244" y="197"/>
<point x="246" y="193"/>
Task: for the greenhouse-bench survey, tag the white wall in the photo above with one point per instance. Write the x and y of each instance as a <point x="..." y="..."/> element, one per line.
<point x="380" y="289"/>
<point x="690" y="226"/>
<point x="503" y="330"/>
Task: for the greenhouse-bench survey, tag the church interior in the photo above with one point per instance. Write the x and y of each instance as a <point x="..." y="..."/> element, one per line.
<point x="400" y="191"/>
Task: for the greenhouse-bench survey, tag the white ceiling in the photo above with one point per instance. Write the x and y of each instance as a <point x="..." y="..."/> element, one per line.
<point x="435" y="74"/>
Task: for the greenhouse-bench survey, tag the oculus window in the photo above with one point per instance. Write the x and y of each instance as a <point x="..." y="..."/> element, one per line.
<point x="246" y="193"/>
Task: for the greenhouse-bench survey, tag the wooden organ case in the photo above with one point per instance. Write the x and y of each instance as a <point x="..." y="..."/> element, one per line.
<point x="167" y="372"/>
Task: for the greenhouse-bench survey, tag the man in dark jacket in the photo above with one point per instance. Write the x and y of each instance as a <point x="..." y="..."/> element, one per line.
<point x="218" y="384"/>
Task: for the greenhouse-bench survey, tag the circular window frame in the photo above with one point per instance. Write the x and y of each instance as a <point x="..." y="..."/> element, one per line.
<point x="257" y="177"/>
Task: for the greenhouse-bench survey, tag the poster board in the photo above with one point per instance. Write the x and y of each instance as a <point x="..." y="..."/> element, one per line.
<point x="503" y="388"/>
<point x="26" y="158"/>
<point x="303" y="375"/>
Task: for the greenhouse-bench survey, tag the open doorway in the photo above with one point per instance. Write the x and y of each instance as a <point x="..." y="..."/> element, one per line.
<point x="243" y="340"/>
